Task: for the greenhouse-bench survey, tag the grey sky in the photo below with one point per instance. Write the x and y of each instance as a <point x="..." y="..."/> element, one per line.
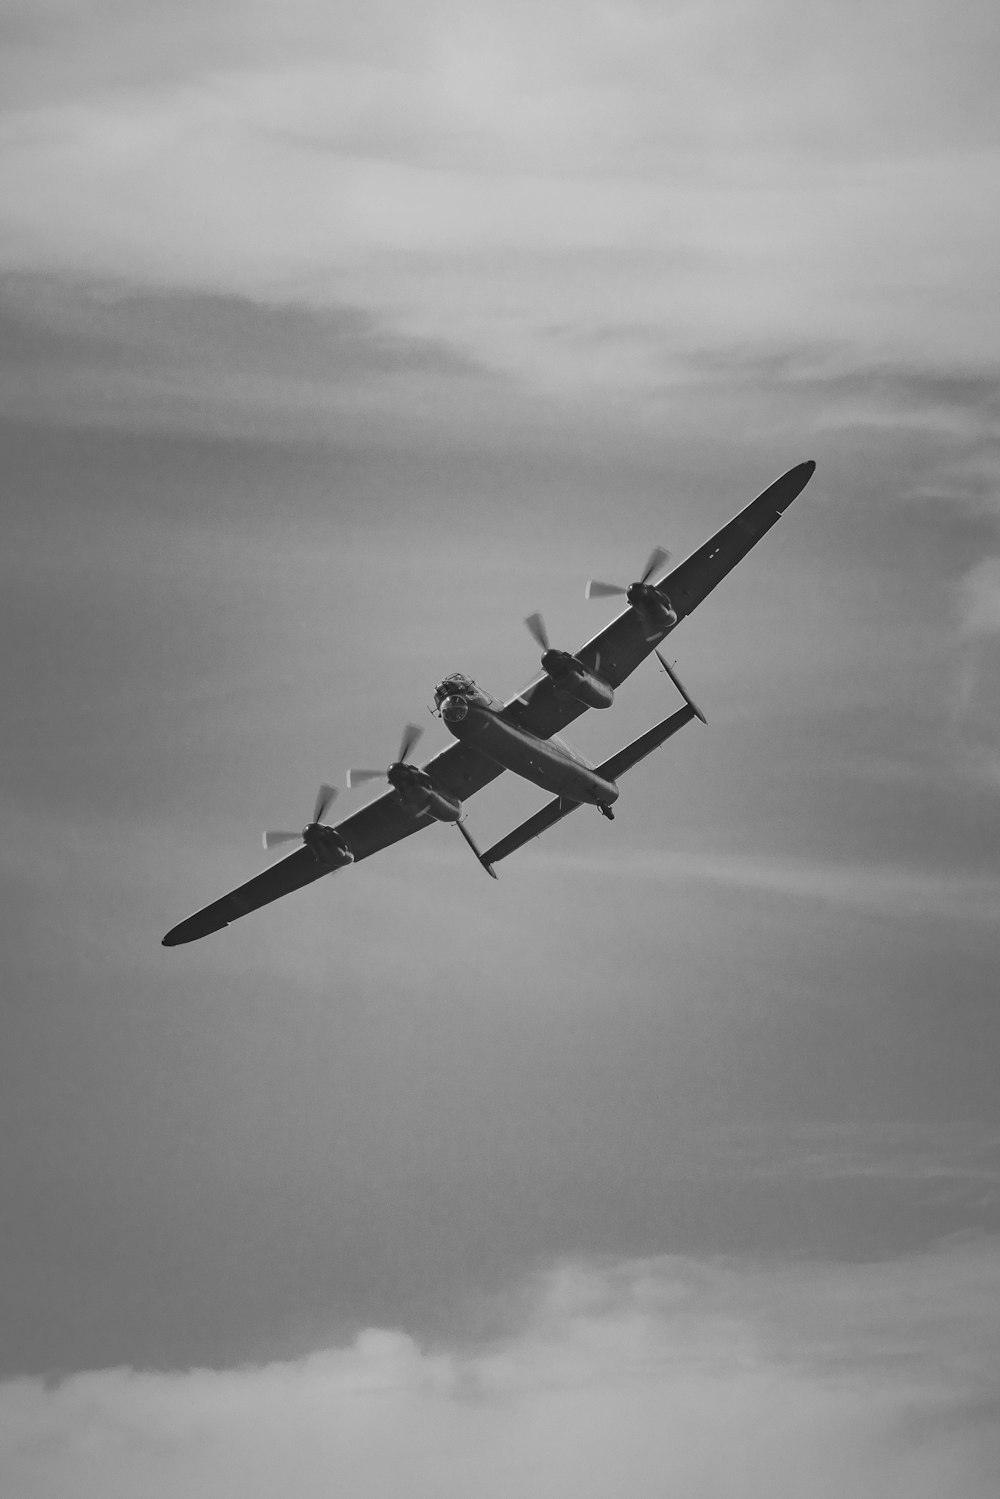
<point x="334" y="340"/>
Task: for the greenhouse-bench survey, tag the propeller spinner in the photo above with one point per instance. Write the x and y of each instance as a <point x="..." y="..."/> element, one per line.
<point x="414" y="788"/>
<point x="596" y="590"/>
<point x="324" y="798"/>
<point x="652" y="606"/>
<point x="567" y="672"/>
<point x="554" y="663"/>
<point x="411" y="734"/>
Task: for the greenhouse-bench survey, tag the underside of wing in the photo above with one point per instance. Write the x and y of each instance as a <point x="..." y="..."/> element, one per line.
<point x="291" y="873"/>
<point x="695" y="578"/>
<point x="626" y="642"/>
<point x="459" y="769"/>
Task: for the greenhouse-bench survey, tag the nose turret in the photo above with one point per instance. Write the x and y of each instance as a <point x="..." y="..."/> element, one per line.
<point x="454" y="708"/>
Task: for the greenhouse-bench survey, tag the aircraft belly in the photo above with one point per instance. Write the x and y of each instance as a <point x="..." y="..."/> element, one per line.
<point x="535" y="760"/>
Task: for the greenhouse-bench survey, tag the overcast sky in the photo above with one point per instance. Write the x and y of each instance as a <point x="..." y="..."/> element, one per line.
<point x="335" y="338"/>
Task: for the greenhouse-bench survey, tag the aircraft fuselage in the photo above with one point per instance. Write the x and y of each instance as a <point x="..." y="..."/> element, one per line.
<point x="475" y="717"/>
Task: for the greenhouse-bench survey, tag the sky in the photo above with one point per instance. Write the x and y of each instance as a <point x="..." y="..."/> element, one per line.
<point x="335" y="339"/>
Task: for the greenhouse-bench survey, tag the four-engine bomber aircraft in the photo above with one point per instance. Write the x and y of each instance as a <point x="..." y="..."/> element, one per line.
<point x="519" y="735"/>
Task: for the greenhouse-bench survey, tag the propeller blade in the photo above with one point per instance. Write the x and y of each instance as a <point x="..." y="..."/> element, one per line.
<point x="271" y="840"/>
<point x="472" y="844"/>
<point x="324" y="797"/>
<point x="595" y="590"/>
<point x="536" y="626"/>
<point x="359" y="777"/>
<point x="657" y="557"/>
<point x="411" y="734"/>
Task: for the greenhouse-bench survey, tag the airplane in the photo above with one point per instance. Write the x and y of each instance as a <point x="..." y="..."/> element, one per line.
<point x="521" y="734"/>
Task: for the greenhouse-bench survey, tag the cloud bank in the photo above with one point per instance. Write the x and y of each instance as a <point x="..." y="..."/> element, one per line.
<point x="651" y="1378"/>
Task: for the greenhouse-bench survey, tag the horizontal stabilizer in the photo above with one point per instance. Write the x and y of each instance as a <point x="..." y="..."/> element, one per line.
<point x="646" y="743"/>
<point x="562" y="806"/>
<point x="551" y="813"/>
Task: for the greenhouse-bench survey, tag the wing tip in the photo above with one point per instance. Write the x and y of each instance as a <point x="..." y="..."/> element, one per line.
<point x="190" y="931"/>
<point x="789" y="485"/>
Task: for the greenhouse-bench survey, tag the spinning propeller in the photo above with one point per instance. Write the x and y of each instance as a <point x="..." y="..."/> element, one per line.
<point x="567" y="673"/>
<point x="554" y="663"/>
<point x="596" y="590"/>
<point x="411" y="734"/>
<point x="536" y="627"/>
<point x="324" y="797"/>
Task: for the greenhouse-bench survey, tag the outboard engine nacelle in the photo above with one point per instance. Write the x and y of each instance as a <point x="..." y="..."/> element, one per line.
<point x="653" y="605"/>
<point x="327" y="847"/>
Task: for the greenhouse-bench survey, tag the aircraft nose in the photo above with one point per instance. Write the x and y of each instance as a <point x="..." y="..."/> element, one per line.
<point x="454" y="709"/>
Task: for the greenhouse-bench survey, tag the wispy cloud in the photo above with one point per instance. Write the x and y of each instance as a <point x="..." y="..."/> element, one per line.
<point x="976" y="700"/>
<point x="980" y="602"/>
<point x="964" y="1155"/>
<point x="888" y="890"/>
<point x="485" y="175"/>
<point x="210" y="363"/>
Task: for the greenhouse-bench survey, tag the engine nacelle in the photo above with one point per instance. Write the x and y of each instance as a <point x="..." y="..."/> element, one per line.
<point x="571" y="676"/>
<point x="653" y="605"/>
<point x="588" y="688"/>
<point x="444" y="808"/>
<point x="419" y="795"/>
<point x="327" y="847"/>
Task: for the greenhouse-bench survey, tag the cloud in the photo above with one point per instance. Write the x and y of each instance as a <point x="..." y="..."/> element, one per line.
<point x="208" y="363"/>
<point x="949" y="1156"/>
<point x="886" y="890"/>
<point x="980" y="602"/>
<point x="975" y="718"/>
<point x="666" y="1376"/>
<point x="486" y="175"/>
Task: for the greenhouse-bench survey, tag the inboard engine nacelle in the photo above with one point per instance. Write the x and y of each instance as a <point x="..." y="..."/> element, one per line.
<point x="567" y="673"/>
<point x="571" y="676"/>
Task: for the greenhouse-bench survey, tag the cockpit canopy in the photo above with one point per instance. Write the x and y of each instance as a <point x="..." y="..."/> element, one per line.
<point x="455" y="685"/>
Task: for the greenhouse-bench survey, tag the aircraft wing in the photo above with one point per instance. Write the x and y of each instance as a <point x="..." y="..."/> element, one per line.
<point x="623" y="645"/>
<point x="459" y="769"/>
<point x="694" y="580"/>
<point x="290" y="873"/>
